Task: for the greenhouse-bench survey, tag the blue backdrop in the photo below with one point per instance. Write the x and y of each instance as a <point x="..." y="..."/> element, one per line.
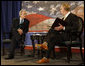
<point x="9" y="10"/>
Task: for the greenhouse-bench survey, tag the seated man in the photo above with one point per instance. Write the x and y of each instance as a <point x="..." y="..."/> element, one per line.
<point x="19" y="29"/>
<point x="60" y="33"/>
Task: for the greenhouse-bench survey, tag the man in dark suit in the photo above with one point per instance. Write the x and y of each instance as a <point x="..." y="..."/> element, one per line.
<point x="18" y="30"/>
<point x="60" y="33"/>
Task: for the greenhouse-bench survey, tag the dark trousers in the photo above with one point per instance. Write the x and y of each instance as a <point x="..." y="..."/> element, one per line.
<point x="16" y="41"/>
<point x="53" y="37"/>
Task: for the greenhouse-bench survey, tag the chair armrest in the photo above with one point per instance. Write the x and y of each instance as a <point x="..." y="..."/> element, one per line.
<point x="7" y="34"/>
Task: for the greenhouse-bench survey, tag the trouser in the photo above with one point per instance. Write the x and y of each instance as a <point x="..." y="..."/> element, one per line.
<point x="51" y="51"/>
<point x="14" y="44"/>
<point x="53" y="38"/>
<point x="56" y="38"/>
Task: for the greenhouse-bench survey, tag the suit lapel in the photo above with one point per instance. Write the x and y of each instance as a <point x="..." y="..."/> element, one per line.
<point x="67" y="19"/>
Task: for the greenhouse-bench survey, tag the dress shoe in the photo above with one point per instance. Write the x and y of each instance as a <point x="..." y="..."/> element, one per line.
<point x="43" y="60"/>
<point x="9" y="57"/>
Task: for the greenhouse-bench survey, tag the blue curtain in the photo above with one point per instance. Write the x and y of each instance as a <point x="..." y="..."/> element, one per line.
<point x="9" y="10"/>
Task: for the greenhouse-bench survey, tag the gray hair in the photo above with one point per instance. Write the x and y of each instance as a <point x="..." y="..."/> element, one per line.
<point x="20" y="12"/>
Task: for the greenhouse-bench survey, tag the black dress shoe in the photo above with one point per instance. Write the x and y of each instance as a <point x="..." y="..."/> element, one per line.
<point x="8" y="58"/>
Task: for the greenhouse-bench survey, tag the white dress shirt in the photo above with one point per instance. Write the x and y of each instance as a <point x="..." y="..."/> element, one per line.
<point x="21" y="20"/>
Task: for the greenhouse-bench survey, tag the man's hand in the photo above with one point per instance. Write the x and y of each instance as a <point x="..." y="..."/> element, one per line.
<point x="59" y="27"/>
<point x="20" y="31"/>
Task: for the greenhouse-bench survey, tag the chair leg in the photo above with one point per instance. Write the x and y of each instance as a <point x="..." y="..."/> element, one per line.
<point x="54" y="54"/>
<point x="81" y="53"/>
<point x="3" y="50"/>
<point x="42" y="53"/>
<point x="68" y="54"/>
<point x="38" y="52"/>
<point x="33" y="45"/>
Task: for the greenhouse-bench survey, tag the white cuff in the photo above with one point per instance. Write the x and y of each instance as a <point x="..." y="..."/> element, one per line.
<point x="64" y="28"/>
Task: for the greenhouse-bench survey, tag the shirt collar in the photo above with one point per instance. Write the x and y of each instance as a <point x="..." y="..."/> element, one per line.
<point x="66" y="15"/>
<point x="20" y="18"/>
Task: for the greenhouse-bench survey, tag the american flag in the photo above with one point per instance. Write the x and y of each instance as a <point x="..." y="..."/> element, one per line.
<point x="42" y="14"/>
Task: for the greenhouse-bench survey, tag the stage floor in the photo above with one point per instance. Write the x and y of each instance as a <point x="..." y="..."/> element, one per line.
<point x="29" y="60"/>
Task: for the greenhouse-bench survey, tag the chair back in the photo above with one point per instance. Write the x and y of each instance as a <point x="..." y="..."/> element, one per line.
<point x="80" y="29"/>
<point x="80" y="26"/>
<point x="77" y="32"/>
<point x="6" y="35"/>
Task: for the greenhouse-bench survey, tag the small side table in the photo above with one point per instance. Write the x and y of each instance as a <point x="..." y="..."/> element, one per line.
<point x="40" y="38"/>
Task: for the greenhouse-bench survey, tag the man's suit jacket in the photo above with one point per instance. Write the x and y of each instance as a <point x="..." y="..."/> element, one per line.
<point x="71" y="23"/>
<point x="15" y="25"/>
